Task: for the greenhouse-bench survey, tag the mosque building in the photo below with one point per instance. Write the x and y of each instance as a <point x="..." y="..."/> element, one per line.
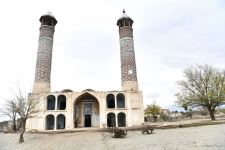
<point x="67" y="109"/>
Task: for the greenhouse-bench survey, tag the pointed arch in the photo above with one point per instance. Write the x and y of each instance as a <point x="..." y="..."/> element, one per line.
<point x="86" y="111"/>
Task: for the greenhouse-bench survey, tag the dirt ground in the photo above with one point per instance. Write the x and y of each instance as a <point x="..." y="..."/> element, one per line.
<point x="211" y="137"/>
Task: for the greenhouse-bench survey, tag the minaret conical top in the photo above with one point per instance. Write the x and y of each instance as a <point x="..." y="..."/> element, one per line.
<point x="48" y="18"/>
<point x="124" y="18"/>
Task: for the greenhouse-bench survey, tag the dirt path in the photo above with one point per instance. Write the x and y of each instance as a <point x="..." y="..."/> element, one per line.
<point x="195" y="138"/>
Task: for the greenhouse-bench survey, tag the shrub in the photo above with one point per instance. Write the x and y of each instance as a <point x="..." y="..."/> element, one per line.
<point x="202" y="112"/>
<point x="165" y="117"/>
<point x="147" y="129"/>
<point x="117" y="132"/>
<point x="152" y="110"/>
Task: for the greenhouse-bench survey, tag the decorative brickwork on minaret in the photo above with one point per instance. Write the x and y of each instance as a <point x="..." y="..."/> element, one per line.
<point x="127" y="55"/>
<point x="44" y="54"/>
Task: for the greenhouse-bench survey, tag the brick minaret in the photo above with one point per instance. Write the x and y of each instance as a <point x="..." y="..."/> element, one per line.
<point x="44" y="54"/>
<point x="127" y="55"/>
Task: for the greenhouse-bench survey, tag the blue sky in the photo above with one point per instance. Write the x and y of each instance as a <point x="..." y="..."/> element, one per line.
<point x="169" y="35"/>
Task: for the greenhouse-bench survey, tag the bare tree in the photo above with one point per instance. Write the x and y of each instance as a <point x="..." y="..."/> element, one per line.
<point x="9" y="109"/>
<point x="26" y="107"/>
<point x="204" y="87"/>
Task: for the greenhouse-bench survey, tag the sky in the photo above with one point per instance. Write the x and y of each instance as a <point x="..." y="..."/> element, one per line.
<point x="169" y="36"/>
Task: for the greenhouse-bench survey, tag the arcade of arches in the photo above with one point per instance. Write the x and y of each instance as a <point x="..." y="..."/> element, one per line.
<point x="50" y="122"/>
<point x="111" y="119"/>
<point x="86" y="111"/>
<point x="119" y="103"/>
<point x="51" y="102"/>
<point x="58" y="122"/>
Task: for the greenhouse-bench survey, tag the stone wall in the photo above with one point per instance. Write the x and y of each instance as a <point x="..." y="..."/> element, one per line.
<point x="133" y="110"/>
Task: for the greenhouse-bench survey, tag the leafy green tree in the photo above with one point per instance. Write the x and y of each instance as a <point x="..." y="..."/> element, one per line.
<point x="185" y="105"/>
<point x="204" y="87"/>
<point x="153" y="110"/>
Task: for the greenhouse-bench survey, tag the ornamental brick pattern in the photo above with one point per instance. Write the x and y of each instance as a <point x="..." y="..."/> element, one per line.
<point x="128" y="64"/>
<point x="127" y="57"/>
<point x="126" y="32"/>
<point x="44" y="55"/>
<point x="46" y="31"/>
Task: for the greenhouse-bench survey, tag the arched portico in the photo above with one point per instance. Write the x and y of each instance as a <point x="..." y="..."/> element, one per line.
<point x="86" y="111"/>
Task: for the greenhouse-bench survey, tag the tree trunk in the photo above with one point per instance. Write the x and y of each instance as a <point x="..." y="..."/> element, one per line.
<point x="155" y="118"/>
<point x="14" y="124"/>
<point x="14" y="127"/>
<point x="21" y="140"/>
<point x="190" y="115"/>
<point x="211" y="113"/>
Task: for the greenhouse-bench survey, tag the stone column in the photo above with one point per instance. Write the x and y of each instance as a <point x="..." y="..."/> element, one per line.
<point x="55" y="117"/>
<point x="44" y="54"/>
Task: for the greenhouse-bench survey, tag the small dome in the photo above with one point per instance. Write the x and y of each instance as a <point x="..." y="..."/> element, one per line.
<point x="88" y="90"/>
<point x="66" y="90"/>
<point x="124" y="15"/>
<point x="49" y="13"/>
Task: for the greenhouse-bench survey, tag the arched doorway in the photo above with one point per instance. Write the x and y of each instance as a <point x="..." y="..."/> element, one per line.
<point x="86" y="111"/>
<point x="61" y="121"/>
<point x="121" y="119"/>
<point x="111" y="120"/>
<point x="49" y="122"/>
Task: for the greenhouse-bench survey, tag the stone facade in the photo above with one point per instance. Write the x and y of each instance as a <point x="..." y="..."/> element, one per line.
<point x="74" y="105"/>
<point x="67" y="110"/>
